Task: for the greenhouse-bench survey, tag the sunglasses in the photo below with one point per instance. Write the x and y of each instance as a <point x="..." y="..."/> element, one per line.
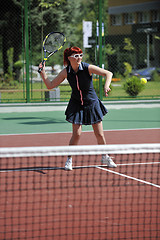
<point x="77" y="55"/>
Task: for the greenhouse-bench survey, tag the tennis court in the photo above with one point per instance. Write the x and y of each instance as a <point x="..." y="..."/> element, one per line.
<point x="45" y="125"/>
<point x="39" y="200"/>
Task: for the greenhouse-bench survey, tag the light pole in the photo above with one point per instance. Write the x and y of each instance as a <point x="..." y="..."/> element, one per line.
<point x="148" y="31"/>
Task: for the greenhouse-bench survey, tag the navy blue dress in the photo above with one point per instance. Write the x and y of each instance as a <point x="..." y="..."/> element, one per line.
<point x="84" y="107"/>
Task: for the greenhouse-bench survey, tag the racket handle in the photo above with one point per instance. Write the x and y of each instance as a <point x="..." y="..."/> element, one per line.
<point x="40" y="69"/>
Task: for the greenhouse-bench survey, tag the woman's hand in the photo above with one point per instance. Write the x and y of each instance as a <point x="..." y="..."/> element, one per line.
<point x="106" y="90"/>
<point x="42" y="67"/>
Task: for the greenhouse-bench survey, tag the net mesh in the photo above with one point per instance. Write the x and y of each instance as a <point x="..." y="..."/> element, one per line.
<point x="40" y="200"/>
<point x="53" y="42"/>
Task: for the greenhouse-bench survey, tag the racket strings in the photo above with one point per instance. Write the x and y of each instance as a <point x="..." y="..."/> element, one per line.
<point x="54" y="42"/>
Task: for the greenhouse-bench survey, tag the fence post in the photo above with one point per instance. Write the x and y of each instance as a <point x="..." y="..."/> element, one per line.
<point x="27" y="51"/>
<point x="100" y="48"/>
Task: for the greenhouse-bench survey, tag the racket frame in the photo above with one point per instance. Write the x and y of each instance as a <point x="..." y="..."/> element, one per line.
<point x="51" y="53"/>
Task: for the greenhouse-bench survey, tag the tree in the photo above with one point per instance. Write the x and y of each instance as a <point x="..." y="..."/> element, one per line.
<point x="128" y="45"/>
<point x="57" y="17"/>
<point x="10" y="26"/>
<point x="45" y="16"/>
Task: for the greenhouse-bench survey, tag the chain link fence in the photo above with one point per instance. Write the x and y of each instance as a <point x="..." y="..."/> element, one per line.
<point x="131" y="46"/>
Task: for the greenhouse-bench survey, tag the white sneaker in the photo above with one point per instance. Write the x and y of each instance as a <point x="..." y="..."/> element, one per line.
<point x="106" y="159"/>
<point x="68" y="164"/>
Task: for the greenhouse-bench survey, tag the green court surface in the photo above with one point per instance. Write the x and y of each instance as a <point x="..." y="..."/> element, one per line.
<point x="44" y="121"/>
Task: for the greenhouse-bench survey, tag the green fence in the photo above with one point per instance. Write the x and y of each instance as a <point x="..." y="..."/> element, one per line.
<point x="134" y="46"/>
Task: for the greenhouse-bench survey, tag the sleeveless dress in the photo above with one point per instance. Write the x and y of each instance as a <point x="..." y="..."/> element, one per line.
<point x="84" y="107"/>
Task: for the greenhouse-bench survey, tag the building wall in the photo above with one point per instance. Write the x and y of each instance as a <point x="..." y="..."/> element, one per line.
<point x="135" y="19"/>
<point x="125" y="2"/>
<point x="122" y="8"/>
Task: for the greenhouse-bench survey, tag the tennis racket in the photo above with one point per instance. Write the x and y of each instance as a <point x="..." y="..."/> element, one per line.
<point x="52" y="43"/>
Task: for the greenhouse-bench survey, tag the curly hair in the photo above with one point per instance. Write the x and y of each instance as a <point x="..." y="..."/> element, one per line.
<point x="68" y="52"/>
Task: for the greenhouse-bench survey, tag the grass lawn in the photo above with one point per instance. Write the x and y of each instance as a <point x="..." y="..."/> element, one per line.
<point x="151" y="91"/>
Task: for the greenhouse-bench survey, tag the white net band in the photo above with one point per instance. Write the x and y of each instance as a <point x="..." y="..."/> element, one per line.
<point x="79" y="150"/>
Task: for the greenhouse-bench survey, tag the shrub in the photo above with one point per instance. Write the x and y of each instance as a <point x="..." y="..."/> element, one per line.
<point x="156" y="76"/>
<point x="133" y="86"/>
<point x="7" y="81"/>
<point x="18" y="64"/>
<point x="128" y="69"/>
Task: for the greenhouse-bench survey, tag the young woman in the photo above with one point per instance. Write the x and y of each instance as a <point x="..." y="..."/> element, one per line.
<point x="84" y="107"/>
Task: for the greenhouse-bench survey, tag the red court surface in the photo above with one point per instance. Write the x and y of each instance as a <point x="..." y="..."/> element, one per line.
<point x="87" y="138"/>
<point x="42" y="201"/>
<point x="86" y="203"/>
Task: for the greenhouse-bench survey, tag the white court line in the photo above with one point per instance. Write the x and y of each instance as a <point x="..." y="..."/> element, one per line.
<point x="127" y="176"/>
<point x="131" y="164"/>
<point x="84" y="131"/>
<point x="121" y="164"/>
<point x="49" y="108"/>
<point x="74" y="167"/>
<point x="90" y="166"/>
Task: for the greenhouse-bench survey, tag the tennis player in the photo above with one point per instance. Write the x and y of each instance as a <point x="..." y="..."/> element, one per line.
<point x="84" y="107"/>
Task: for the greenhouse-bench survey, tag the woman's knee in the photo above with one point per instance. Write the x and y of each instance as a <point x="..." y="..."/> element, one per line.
<point x="77" y="130"/>
<point x="76" y="134"/>
<point x="99" y="135"/>
<point x="98" y="131"/>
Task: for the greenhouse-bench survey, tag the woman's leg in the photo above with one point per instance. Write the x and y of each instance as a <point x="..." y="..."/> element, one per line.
<point x="76" y="133"/>
<point x="98" y="131"/>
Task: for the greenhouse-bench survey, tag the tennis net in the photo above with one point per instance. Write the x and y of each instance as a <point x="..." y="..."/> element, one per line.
<point x="39" y="200"/>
